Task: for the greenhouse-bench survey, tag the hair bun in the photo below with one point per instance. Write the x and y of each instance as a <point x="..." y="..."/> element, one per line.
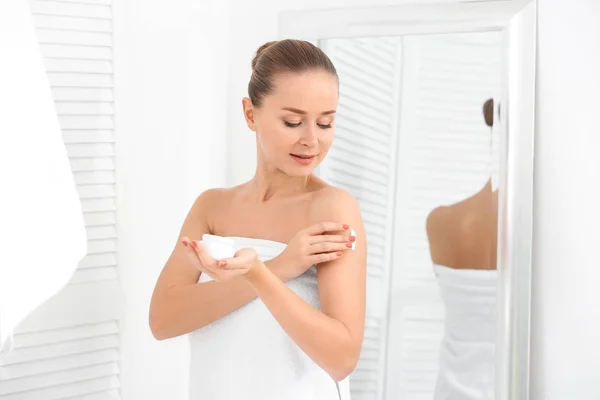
<point x="260" y="52"/>
<point x="488" y="112"/>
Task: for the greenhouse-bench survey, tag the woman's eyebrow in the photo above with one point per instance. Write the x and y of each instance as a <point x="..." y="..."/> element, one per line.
<point x="297" y="111"/>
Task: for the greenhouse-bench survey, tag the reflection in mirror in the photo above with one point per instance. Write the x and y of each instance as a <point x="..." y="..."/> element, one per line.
<point x="417" y="145"/>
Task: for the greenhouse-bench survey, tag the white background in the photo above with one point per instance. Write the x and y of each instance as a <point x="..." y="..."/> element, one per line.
<point x="181" y="70"/>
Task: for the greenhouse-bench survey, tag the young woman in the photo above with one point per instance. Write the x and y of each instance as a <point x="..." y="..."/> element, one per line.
<point x="283" y="319"/>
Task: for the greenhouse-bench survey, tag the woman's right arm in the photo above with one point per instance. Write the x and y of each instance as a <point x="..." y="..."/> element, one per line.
<point x="179" y="304"/>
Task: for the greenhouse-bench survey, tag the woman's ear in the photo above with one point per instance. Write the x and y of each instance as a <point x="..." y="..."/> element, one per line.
<point x="249" y="113"/>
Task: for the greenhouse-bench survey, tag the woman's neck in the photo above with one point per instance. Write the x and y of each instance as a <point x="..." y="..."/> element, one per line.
<point x="274" y="184"/>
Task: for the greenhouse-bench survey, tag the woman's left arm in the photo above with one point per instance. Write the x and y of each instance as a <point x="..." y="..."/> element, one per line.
<point x="332" y="337"/>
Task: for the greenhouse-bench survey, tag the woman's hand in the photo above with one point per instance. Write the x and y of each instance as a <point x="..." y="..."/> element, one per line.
<point x="313" y="246"/>
<point x="221" y="270"/>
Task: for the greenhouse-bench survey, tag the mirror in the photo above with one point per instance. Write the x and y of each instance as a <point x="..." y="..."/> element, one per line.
<point x="417" y="112"/>
<point x="422" y="143"/>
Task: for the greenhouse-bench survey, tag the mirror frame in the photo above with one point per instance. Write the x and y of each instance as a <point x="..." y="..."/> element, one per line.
<point x="516" y="19"/>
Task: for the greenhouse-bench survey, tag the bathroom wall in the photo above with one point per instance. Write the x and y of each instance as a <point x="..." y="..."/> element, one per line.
<point x="169" y="95"/>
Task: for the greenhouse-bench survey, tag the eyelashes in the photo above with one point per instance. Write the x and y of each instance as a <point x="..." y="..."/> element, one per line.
<point x="292" y="125"/>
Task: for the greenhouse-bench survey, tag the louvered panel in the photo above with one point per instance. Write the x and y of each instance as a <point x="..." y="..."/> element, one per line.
<point x="93" y="164"/>
<point x="356" y="101"/>
<point x="100" y="219"/>
<point x="54" y="36"/>
<point x="94" y="275"/>
<point x="422" y="332"/>
<point x="62" y="349"/>
<point x="69" y="347"/>
<point x="355" y="59"/>
<point x="96" y="191"/>
<point x="366" y="131"/>
<point x="94" y="303"/>
<point x="368" y="56"/>
<point x="80" y="388"/>
<point x="31" y="339"/>
<point x="93" y="2"/>
<point x="102" y="232"/>
<point x="96" y="108"/>
<point x="98" y="205"/>
<point x="81" y="66"/>
<point x="77" y="52"/>
<point x="106" y="395"/>
<point x="364" y="87"/>
<point x="86" y="122"/>
<point x="69" y="79"/>
<point x="98" y="260"/>
<point x="14" y="387"/>
<point x="102" y="246"/>
<point x="72" y="24"/>
<point x="94" y="177"/>
<point x="88" y="136"/>
<point x="71" y="9"/>
<point x="357" y="125"/>
<point x="351" y="145"/>
<point x="90" y="150"/>
<point x="82" y="94"/>
<point x="72" y="362"/>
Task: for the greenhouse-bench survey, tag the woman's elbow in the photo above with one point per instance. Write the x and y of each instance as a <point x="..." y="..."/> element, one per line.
<point x="159" y="324"/>
<point x="345" y="366"/>
<point x="157" y="328"/>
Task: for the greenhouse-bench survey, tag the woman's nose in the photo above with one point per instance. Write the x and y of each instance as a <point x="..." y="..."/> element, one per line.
<point x="309" y="137"/>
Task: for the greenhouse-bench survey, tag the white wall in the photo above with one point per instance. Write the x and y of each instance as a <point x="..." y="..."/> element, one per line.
<point x="566" y="277"/>
<point x="170" y="67"/>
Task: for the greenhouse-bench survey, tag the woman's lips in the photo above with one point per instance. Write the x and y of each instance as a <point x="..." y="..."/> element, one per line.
<point x="304" y="159"/>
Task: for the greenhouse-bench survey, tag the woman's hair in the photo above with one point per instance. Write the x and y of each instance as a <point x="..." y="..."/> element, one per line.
<point x="283" y="56"/>
<point x="488" y="112"/>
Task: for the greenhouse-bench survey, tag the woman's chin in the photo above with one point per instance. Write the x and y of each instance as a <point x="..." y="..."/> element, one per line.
<point x="299" y="171"/>
<point x="300" y="174"/>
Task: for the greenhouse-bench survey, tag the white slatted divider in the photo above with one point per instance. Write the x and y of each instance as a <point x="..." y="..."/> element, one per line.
<point x="444" y="157"/>
<point x="362" y="161"/>
<point x="69" y="347"/>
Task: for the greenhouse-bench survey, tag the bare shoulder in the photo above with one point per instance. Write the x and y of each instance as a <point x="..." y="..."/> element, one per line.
<point x="209" y="199"/>
<point x="334" y="202"/>
<point x="211" y="202"/>
<point x="438" y="217"/>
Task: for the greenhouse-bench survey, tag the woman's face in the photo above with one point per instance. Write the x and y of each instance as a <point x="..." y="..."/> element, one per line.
<point x="295" y="124"/>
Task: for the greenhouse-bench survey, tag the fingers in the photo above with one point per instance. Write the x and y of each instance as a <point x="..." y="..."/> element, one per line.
<point x="233" y="263"/>
<point x="331" y="238"/>
<point x="242" y="260"/>
<point x="326" y="226"/>
<point x="325" y="257"/>
<point x="329" y="247"/>
<point x="198" y="255"/>
<point x="203" y="255"/>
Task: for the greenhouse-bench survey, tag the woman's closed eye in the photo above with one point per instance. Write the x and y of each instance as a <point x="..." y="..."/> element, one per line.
<point x="295" y="125"/>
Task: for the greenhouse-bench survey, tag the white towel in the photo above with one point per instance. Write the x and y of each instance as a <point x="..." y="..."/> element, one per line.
<point x="42" y="232"/>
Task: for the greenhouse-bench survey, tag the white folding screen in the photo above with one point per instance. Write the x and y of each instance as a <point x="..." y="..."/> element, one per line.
<point x="410" y="137"/>
<point x="69" y="347"/>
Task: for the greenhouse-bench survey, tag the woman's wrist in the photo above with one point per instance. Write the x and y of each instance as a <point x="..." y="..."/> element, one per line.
<point x="275" y="266"/>
<point x="256" y="272"/>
